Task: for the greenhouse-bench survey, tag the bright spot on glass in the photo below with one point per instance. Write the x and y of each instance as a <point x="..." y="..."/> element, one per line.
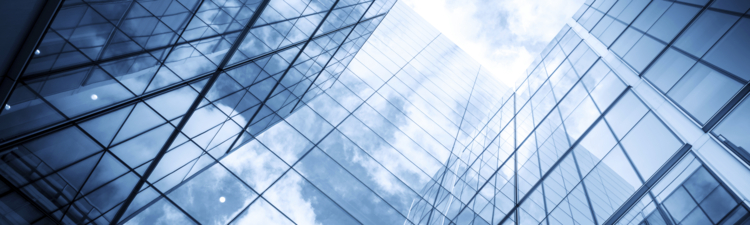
<point x="222" y="199"/>
<point x="7" y="106"/>
<point x="94" y="97"/>
<point x="37" y="52"/>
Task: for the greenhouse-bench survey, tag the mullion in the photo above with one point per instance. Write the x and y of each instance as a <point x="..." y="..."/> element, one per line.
<point x="291" y="65"/>
<point x="333" y="55"/>
<point x="189" y="113"/>
<point x="555" y="165"/>
<point x="5" y="146"/>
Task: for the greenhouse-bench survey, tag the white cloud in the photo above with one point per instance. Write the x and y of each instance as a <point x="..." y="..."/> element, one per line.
<point x="503" y="35"/>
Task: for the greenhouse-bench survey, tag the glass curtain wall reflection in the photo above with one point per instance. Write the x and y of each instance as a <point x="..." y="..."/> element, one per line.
<point x="123" y="101"/>
<point x="360" y="112"/>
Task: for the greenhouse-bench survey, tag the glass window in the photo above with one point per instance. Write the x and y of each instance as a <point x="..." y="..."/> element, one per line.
<point x="286" y="142"/>
<point x="608" y="185"/>
<point x="618" y="7"/>
<point x="718" y="204"/>
<point x="25" y="112"/>
<point x="739" y="6"/>
<point x="80" y="91"/>
<point x="607" y="91"/>
<point x="735" y="127"/>
<point x="736" y="216"/>
<point x="696" y="217"/>
<point x="643" y="52"/>
<point x="592" y="20"/>
<point x="598" y="141"/>
<point x="668" y="69"/>
<point x="732" y="52"/>
<point x="649" y="16"/>
<point x="626" y="41"/>
<point x="697" y="2"/>
<point x="368" y="171"/>
<point x="161" y="212"/>
<point x="309" y="123"/>
<point x="174" y="165"/>
<point x="62" y="148"/>
<point x="328" y="109"/>
<point x="650" y="144"/>
<point x="602" y="25"/>
<point x="632" y="10"/>
<point x="612" y="32"/>
<point x="141" y="119"/>
<point x="143" y="148"/>
<point x="672" y="22"/>
<point x="619" y="165"/>
<point x="262" y="212"/>
<point x="703" y="91"/>
<point x="346" y="190"/>
<point x="581" y="118"/>
<point x="623" y="116"/>
<point x="700" y="184"/>
<point x="303" y="203"/>
<point x="255" y="165"/>
<point x="679" y="204"/>
<point x="656" y="218"/>
<point x="704" y="32"/>
<point x="213" y="196"/>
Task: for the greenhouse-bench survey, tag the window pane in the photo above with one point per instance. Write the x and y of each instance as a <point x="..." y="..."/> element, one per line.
<point x="654" y="10"/>
<point x="607" y="91"/>
<point x="161" y="212"/>
<point x="739" y="6"/>
<point x="703" y="91"/>
<point x="700" y="184"/>
<point x="732" y="52"/>
<point x="305" y="204"/>
<point x="626" y="41"/>
<point x="261" y="212"/>
<point x="202" y="196"/>
<point x="679" y="204"/>
<point x="718" y="204"/>
<point x="581" y="118"/>
<point x="622" y="169"/>
<point x="672" y="22"/>
<point x="649" y="145"/>
<point x="643" y="52"/>
<point x="598" y="141"/>
<point x="346" y="190"/>
<point x="255" y="165"/>
<point x="735" y="127"/>
<point x="628" y="111"/>
<point x="668" y="69"/>
<point x="705" y="32"/>
<point x="286" y="142"/>
<point x="696" y="217"/>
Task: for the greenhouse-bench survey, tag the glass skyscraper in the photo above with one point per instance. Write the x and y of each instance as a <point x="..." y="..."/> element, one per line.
<point x="360" y="112"/>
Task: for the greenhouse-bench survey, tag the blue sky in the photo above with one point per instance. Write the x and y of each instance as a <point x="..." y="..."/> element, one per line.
<point x="503" y="35"/>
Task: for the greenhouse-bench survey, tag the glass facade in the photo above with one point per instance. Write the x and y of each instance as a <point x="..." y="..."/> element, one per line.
<point x="360" y="112"/>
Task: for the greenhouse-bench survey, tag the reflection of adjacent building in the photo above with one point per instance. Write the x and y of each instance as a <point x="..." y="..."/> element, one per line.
<point x="297" y="112"/>
<point x="114" y="87"/>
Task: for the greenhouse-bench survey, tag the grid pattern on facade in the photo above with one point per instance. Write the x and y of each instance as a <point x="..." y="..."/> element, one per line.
<point x="305" y="113"/>
<point x="140" y="94"/>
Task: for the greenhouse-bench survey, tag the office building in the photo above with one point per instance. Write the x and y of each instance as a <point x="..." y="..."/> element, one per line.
<point x="346" y="112"/>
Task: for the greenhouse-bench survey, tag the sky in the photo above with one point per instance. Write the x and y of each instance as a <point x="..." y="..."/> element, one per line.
<point x="503" y="35"/>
